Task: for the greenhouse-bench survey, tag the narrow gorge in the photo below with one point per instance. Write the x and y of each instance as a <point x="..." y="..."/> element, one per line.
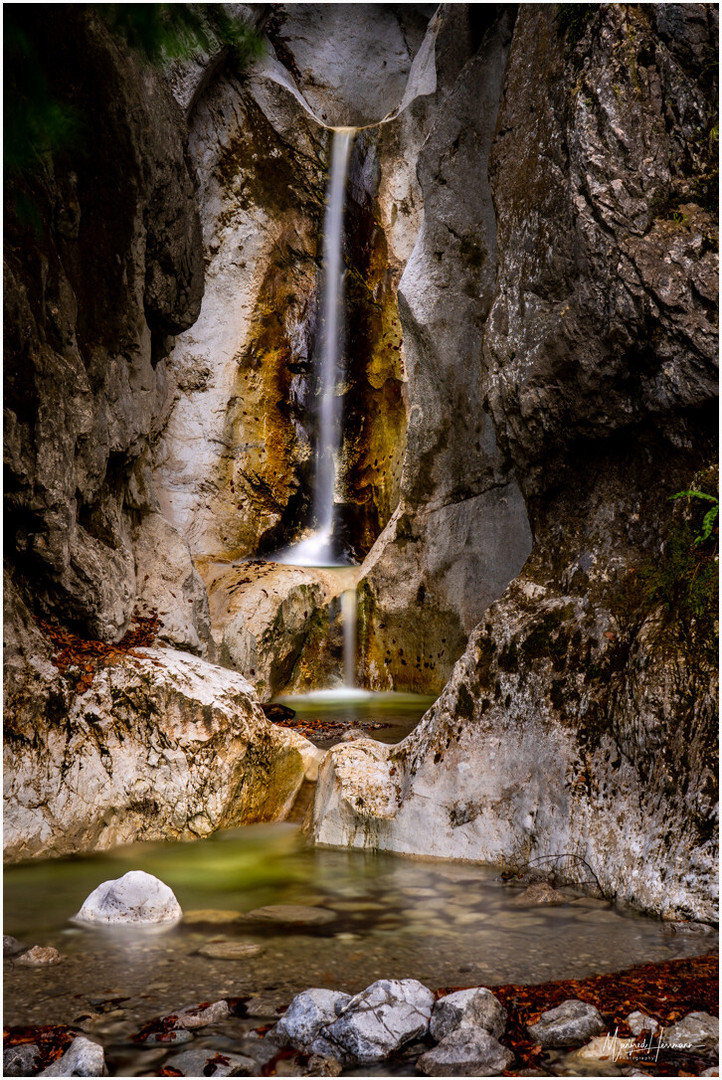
<point x="361" y="499"/>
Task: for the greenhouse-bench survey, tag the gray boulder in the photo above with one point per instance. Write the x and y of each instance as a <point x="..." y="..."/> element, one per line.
<point x="569" y="1024"/>
<point x="197" y="1016"/>
<point x="82" y="1058"/>
<point x="638" y="1022"/>
<point x="697" y="1031"/>
<point x="466" y="1052"/>
<point x="136" y="898"/>
<point x="307" y="1014"/>
<point x="21" y="1060"/>
<point x="382" y="1019"/>
<point x="477" y="1008"/>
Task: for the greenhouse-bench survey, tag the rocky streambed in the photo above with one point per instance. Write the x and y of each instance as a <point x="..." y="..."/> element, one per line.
<point x="266" y="918"/>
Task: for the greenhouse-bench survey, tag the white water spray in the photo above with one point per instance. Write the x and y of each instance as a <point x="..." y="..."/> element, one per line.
<point x="317" y="550"/>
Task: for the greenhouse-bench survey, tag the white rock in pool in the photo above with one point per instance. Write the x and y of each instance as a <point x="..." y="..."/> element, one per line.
<point x="136" y="898"/>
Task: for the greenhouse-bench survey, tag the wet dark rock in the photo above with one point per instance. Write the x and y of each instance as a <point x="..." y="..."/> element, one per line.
<point x="11" y="946"/>
<point x="22" y="1060"/>
<point x="569" y="1024"/>
<point x="466" y="1052"/>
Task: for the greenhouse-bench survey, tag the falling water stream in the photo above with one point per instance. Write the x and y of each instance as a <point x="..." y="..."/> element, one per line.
<point x="318" y="549"/>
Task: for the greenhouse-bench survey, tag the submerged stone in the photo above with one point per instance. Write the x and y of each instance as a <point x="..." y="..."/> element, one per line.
<point x="213" y="1063"/>
<point x="39" y="956"/>
<point x="295" y="914"/>
<point x="230" y="950"/>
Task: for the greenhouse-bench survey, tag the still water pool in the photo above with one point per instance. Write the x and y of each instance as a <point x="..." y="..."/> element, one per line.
<point x="447" y="924"/>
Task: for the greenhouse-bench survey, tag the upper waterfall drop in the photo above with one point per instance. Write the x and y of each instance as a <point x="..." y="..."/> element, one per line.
<point x="318" y="549"/>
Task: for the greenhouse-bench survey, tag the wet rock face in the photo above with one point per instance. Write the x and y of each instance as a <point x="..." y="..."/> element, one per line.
<point x="460" y="532"/>
<point x="604" y="316"/>
<point x="591" y="682"/>
<point x="112" y="267"/>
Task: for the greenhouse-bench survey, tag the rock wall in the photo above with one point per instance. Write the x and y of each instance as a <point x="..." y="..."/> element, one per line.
<point x="234" y="466"/>
<point x="581" y="719"/>
<point x="103" y="264"/>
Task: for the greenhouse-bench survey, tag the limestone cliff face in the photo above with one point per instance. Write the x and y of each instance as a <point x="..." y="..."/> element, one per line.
<point x="582" y="716"/>
<point x="103" y="263"/>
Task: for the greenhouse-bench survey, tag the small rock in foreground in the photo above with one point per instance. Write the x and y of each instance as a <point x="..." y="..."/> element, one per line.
<point x="136" y="898"/>
<point x="39" y="956"/>
<point x="476" y="1008"/>
<point x="697" y="1031"/>
<point x="569" y="1024"/>
<point x="23" y="1060"/>
<point x="637" y="1022"/>
<point x="323" y="1066"/>
<point x="466" y="1052"/>
<point x="197" y="1016"/>
<point x="82" y="1058"/>
<point x="382" y="1019"/>
<point x="213" y="1063"/>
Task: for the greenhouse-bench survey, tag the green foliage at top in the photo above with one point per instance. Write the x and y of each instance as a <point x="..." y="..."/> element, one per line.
<point x="162" y="32"/>
<point x="572" y="20"/>
<point x="709" y="518"/>
<point x="685" y="579"/>
<point x="34" y="120"/>
<point x="37" y="121"/>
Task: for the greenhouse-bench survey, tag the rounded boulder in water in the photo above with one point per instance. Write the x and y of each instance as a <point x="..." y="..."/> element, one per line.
<point x="136" y="899"/>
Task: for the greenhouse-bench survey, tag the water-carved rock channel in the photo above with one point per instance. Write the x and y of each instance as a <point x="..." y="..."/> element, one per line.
<point x="361" y="577"/>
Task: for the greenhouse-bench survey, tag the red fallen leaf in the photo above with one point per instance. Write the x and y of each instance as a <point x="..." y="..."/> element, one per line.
<point x="168" y="1070"/>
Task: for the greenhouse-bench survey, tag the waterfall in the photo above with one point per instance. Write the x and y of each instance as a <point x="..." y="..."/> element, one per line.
<point x="317" y="550"/>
